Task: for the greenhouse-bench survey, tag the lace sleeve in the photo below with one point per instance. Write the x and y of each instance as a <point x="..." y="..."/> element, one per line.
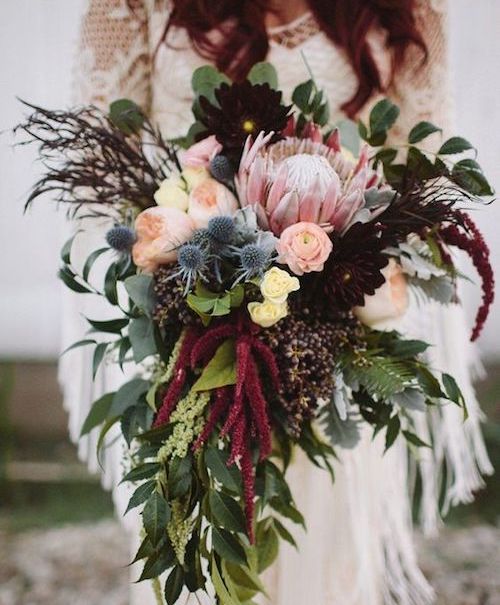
<point x="114" y="57"/>
<point x="423" y="92"/>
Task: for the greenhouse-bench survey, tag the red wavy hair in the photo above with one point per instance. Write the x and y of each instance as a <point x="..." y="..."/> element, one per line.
<point x="244" y="41"/>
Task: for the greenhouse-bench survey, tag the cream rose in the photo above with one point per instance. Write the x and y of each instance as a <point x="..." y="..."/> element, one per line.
<point x="194" y="177"/>
<point x="200" y="154"/>
<point x="172" y="194"/>
<point x="267" y="313"/>
<point x="389" y="303"/>
<point x="277" y="284"/>
<point x="304" y="247"/>
<point x="210" y="198"/>
<point x="160" y="231"/>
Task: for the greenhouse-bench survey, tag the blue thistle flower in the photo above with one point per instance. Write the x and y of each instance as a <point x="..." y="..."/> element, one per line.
<point x="221" y="229"/>
<point x="254" y="260"/>
<point x="201" y="238"/>
<point x="120" y="238"/>
<point x="221" y="168"/>
<point x="192" y="259"/>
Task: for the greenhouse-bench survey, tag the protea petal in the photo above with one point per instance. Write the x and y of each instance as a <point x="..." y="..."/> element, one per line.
<point x="358" y="181"/>
<point x="251" y="150"/>
<point x="330" y="201"/>
<point x="256" y="181"/>
<point x="277" y="190"/>
<point x="363" y="159"/>
<point x="346" y="209"/>
<point x="262" y="218"/>
<point x="289" y="130"/>
<point x="286" y="213"/>
<point x="312" y="131"/>
<point x="310" y="203"/>
<point x="333" y="140"/>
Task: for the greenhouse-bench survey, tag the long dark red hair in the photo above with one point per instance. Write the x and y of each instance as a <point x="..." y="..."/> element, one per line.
<point x="244" y="40"/>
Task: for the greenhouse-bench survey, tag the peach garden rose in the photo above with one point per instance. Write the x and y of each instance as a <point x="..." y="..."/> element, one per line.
<point x="160" y="231"/>
<point x="210" y="198"/>
<point x="304" y="247"/>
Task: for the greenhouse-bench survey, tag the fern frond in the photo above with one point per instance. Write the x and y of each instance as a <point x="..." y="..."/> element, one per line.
<point x="381" y="377"/>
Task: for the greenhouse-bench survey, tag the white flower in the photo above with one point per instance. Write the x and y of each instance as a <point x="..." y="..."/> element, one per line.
<point x="172" y="194"/>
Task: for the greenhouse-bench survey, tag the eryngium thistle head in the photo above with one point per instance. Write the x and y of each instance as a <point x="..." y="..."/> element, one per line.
<point x="121" y="238"/>
<point x="191" y="257"/>
<point x="221" y="228"/>
<point x="253" y="259"/>
<point x="221" y="168"/>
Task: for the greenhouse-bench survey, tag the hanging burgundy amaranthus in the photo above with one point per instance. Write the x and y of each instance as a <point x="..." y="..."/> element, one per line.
<point x="466" y="236"/>
<point x="241" y="408"/>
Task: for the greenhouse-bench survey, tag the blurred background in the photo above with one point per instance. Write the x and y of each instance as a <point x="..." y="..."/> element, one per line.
<point x="59" y="542"/>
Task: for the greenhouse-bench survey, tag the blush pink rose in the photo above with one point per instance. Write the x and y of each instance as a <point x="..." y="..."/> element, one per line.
<point x="160" y="231"/>
<point x="201" y="154"/>
<point x="304" y="247"/>
<point x="210" y="198"/>
<point x="383" y="309"/>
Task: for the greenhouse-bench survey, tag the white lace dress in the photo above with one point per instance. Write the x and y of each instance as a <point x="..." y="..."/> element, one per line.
<point x="358" y="549"/>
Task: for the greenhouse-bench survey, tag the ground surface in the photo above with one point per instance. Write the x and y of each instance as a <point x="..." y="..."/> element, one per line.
<point x="84" y="564"/>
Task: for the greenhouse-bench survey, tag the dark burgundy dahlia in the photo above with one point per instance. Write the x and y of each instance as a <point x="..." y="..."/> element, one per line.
<point x="244" y="109"/>
<point x="353" y="269"/>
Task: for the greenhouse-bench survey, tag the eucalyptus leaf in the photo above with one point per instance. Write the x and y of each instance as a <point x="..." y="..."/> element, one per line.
<point x="142" y="339"/>
<point x="264" y="73"/>
<point x="98" y="413"/>
<point x="80" y="343"/>
<point x="128" y="395"/>
<point x="91" y="259"/>
<point x="302" y="94"/>
<point x="67" y="276"/>
<point x="127" y="116"/>
<point x="110" y="326"/>
<point x="454" y="145"/>
<point x="382" y="117"/>
<point x="205" y="80"/>
<point x="99" y="353"/>
<point x="421" y="131"/>
<point x="141" y="292"/>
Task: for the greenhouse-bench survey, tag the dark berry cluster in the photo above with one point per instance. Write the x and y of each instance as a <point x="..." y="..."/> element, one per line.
<point x="307" y="347"/>
<point x="171" y="309"/>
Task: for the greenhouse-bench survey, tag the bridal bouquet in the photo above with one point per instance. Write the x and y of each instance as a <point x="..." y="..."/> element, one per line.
<point x="259" y="269"/>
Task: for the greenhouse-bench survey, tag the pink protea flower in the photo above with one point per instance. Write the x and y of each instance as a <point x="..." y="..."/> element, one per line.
<point x="297" y="180"/>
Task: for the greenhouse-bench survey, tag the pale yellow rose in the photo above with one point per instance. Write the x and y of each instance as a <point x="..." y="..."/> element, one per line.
<point x="267" y="313"/>
<point x="277" y="284"/>
<point x="172" y="194"/>
<point x="383" y="310"/>
<point x="194" y="176"/>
